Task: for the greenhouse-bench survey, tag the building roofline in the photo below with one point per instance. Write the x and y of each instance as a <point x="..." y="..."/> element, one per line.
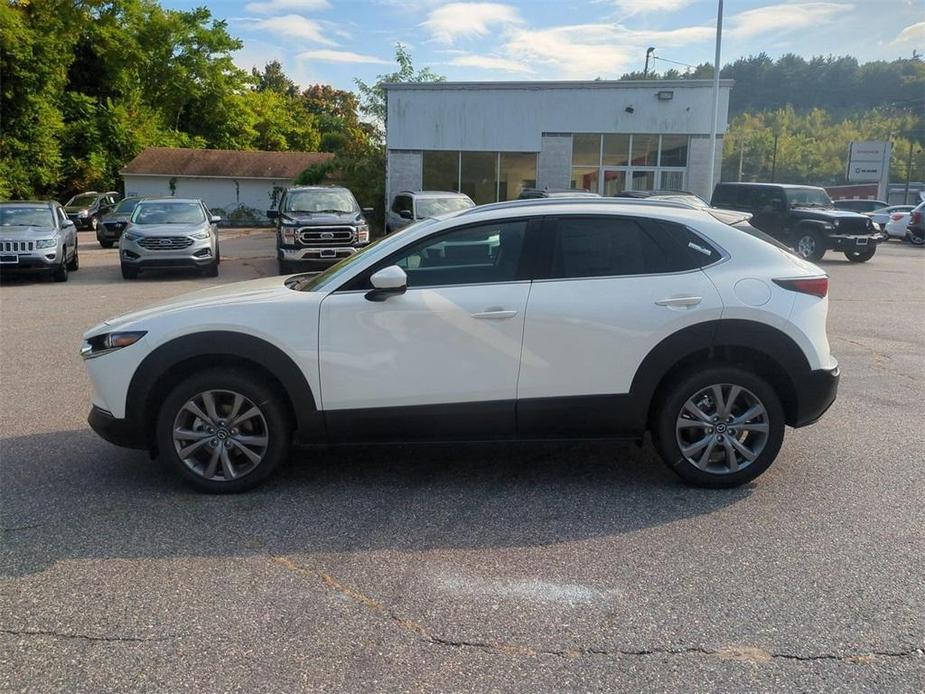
<point x="557" y="84"/>
<point x="184" y="175"/>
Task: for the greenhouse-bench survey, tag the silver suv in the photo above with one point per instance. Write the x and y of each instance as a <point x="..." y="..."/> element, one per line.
<point x="37" y="236"/>
<point x="170" y="233"/>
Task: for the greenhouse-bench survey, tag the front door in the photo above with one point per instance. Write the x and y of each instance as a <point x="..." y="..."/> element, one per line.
<point x="439" y="361"/>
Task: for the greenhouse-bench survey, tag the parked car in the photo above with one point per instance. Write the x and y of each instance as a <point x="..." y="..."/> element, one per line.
<point x="37" y="236"/>
<point x="317" y="226"/>
<point x="915" y="230"/>
<point x="897" y="225"/>
<point x="689" y="199"/>
<point x="534" y="193"/>
<point x="881" y="216"/>
<point x="170" y="233"/>
<point x="859" y="205"/>
<point x="86" y="209"/>
<point x="803" y="218"/>
<point x="113" y="223"/>
<point x="529" y="320"/>
<point x="408" y="206"/>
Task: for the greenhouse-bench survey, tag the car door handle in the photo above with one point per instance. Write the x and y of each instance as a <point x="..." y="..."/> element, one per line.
<point x="495" y="314"/>
<point x="680" y="301"/>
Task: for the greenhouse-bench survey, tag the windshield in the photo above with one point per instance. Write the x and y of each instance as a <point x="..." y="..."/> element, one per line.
<point x="432" y="207"/>
<point x="168" y="213"/>
<point x="807" y="197"/>
<point x="342" y="269"/>
<point x="126" y="206"/>
<point x="320" y="200"/>
<point x="26" y="216"/>
<point x="82" y="199"/>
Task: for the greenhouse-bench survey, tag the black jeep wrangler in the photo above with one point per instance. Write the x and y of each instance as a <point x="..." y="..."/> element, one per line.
<point x="802" y="217"/>
<point x="316" y="226"/>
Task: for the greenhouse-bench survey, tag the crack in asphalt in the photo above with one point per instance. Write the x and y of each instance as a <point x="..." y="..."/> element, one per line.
<point x="748" y="654"/>
<point x="85" y="637"/>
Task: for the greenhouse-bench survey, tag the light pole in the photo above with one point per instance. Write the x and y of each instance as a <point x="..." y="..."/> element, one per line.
<point x="719" y="41"/>
<point x="645" y="72"/>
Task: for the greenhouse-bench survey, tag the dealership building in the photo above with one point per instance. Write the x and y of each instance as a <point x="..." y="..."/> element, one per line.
<point x="492" y="139"/>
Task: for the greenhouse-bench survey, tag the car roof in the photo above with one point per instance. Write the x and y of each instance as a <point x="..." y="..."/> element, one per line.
<point x="169" y="199"/>
<point x="317" y="188"/>
<point x="756" y="184"/>
<point x="50" y="203"/>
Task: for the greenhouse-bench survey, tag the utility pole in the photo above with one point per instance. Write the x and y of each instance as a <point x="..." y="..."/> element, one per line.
<point x="645" y="72"/>
<point x="741" y="157"/>
<point x="719" y="40"/>
<point x="908" y="172"/>
<point x="774" y="159"/>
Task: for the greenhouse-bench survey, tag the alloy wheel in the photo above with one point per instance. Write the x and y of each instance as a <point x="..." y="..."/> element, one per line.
<point x="722" y="428"/>
<point x="220" y="435"/>
<point x="806" y="246"/>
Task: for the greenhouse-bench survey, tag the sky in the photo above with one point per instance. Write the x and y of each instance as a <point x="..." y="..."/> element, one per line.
<point x="334" y="41"/>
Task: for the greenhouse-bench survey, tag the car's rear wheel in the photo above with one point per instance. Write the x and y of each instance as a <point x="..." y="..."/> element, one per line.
<point x="224" y="430"/>
<point x="861" y="256"/>
<point x="719" y="427"/>
<point x="810" y="246"/>
<point x="915" y="239"/>
<point x="105" y="243"/>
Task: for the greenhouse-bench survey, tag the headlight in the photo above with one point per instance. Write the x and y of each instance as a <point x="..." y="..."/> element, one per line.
<point x="99" y="345"/>
<point x="289" y="234"/>
<point x="362" y="233"/>
<point x="46" y="243"/>
<point x="83" y="213"/>
<point x="131" y="237"/>
<point x="200" y="235"/>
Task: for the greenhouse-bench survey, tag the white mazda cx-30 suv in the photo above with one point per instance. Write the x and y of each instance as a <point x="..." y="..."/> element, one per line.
<point x="524" y="320"/>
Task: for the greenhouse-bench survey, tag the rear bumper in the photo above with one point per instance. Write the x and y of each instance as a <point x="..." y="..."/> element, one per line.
<point x="120" y="432"/>
<point x="815" y="395"/>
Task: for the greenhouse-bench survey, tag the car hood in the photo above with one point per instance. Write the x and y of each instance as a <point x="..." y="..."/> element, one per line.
<point x="322" y="218"/>
<point x="77" y="208"/>
<point x="168" y="229"/>
<point x="117" y="217"/>
<point x="26" y="233"/>
<point x="826" y="214"/>
<point x="252" y="291"/>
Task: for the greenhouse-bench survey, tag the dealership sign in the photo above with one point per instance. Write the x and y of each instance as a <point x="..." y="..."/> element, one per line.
<point x="868" y="162"/>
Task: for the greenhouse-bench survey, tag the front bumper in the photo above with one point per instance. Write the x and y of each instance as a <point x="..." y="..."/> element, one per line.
<point x="298" y="254"/>
<point x="197" y="255"/>
<point x="120" y="432"/>
<point x="30" y="262"/>
<point x="845" y="242"/>
<point x="110" y="232"/>
<point x="815" y="395"/>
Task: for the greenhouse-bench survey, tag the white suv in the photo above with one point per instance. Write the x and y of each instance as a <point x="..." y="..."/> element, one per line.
<point x="527" y="320"/>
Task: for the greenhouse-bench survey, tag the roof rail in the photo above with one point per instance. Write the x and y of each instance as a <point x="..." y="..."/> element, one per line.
<point x="540" y="202"/>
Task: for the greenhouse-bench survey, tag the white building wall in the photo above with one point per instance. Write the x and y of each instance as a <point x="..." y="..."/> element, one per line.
<point x="405" y="172"/>
<point x="217" y="193"/>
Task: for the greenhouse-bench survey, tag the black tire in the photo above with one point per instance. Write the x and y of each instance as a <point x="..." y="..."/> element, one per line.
<point x="94" y="224"/>
<point x="666" y="437"/>
<point x="105" y="244"/>
<point x="218" y="255"/>
<point x="74" y="264"/>
<point x="810" y="245"/>
<point x="276" y="427"/>
<point x="128" y="273"/>
<point x="915" y="239"/>
<point x="283" y="268"/>
<point x="60" y="272"/>
<point x="861" y="256"/>
<point x="211" y="270"/>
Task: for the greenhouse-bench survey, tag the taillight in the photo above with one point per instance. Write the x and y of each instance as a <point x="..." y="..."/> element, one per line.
<point x="817" y="286"/>
<point x="896" y="216"/>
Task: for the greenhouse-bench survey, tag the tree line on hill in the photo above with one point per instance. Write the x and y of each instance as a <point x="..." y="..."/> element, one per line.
<point x="87" y="84"/>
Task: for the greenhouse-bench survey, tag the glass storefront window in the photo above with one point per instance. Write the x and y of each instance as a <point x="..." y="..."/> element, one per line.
<point x="674" y="150"/>
<point x="614" y="182"/>
<point x="616" y="150"/>
<point x="584" y="178"/>
<point x="479" y="176"/>
<point x="671" y="180"/>
<point x="440" y="170"/>
<point x="645" y="150"/>
<point x="516" y="171"/>
<point x="586" y="150"/>
<point x="643" y="180"/>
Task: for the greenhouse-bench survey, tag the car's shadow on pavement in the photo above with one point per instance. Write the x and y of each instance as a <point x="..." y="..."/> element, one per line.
<point x="68" y="495"/>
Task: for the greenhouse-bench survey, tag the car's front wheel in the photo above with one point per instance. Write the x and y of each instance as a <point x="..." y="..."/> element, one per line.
<point x="224" y="430"/>
<point x="128" y="272"/>
<point x="861" y="256"/>
<point x="810" y="246"/>
<point x="719" y="427"/>
<point x="59" y="274"/>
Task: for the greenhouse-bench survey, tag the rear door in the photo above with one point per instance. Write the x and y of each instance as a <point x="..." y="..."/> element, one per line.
<point x="613" y="288"/>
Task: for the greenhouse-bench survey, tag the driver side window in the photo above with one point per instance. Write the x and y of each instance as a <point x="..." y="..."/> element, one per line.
<point x="483" y="254"/>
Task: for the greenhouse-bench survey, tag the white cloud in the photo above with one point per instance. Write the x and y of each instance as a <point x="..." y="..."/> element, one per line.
<point x="468" y="19"/>
<point x="576" y="52"/>
<point x="295" y="26"/>
<point x="914" y="33"/>
<point x="784" y="17"/>
<point x="331" y="56"/>
<point x="487" y="62"/>
<point x="277" y="6"/>
<point x="648" y="6"/>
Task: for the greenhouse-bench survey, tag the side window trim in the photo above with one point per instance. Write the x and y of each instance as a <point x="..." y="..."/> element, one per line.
<point x="523" y="274"/>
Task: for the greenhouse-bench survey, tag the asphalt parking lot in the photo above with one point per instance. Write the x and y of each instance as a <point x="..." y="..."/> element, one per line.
<point x="462" y="568"/>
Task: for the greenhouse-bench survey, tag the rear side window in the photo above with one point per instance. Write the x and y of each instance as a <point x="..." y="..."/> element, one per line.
<point x="609" y="247"/>
<point x="689" y="250"/>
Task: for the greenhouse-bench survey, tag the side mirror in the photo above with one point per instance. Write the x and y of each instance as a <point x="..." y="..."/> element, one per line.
<point x="215" y="219"/>
<point x="406" y="214"/>
<point x="389" y="281"/>
<point x="67" y="223"/>
<point x="367" y="211"/>
<point x="272" y="214"/>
